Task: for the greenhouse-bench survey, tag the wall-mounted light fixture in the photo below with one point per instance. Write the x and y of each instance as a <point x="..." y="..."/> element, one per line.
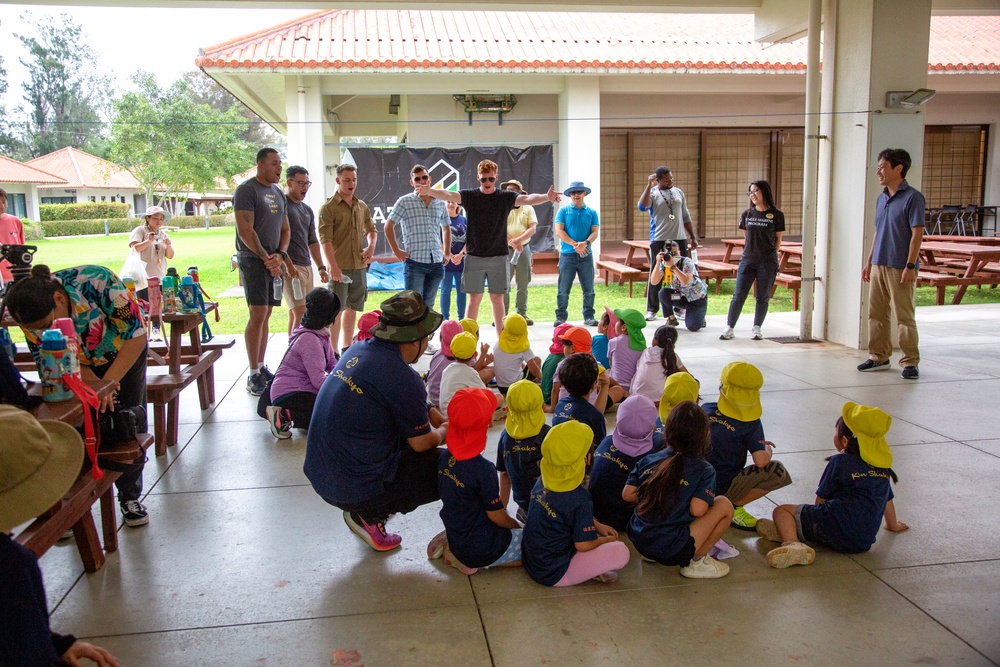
<point x="498" y="104"/>
<point x="394" y="105"/>
<point x="908" y="99"/>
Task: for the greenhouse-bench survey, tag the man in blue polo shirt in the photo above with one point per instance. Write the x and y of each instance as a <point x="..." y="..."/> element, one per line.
<point x="892" y="266"/>
<point x="372" y="447"/>
<point x="577" y="227"/>
<point x="426" y="237"/>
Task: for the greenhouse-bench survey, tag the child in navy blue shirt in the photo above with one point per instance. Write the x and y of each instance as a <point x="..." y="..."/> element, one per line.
<point x="564" y="544"/>
<point x="678" y="517"/>
<point x="520" y="447"/>
<point x="853" y="495"/>
<point x="478" y="531"/>
<point x="615" y="458"/>
<point x="736" y="432"/>
<point x="578" y="373"/>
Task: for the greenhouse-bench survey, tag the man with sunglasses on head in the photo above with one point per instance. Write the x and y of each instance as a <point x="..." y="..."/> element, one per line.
<point x="426" y="237"/>
<point x="487" y="209"/>
<point x="302" y="245"/>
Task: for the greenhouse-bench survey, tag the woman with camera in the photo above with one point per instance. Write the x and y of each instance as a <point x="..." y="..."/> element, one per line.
<point x="112" y="339"/>
<point x="682" y="275"/>
<point x="153" y="245"/>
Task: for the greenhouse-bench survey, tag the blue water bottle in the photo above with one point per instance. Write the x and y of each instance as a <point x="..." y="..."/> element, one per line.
<point x="188" y="296"/>
<point x="51" y="354"/>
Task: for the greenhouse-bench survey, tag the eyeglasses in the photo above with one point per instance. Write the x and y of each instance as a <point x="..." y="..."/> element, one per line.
<point x="303" y="184"/>
<point x="487" y="179"/>
<point x="754" y="192"/>
<point x="424" y="177"/>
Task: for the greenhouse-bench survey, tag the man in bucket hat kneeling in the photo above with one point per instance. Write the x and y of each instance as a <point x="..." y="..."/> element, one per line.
<point x="371" y="447"/>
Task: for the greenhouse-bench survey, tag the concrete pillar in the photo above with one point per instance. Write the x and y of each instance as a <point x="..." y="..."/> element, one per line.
<point x="878" y="46"/>
<point x="579" y="152"/>
<point x="304" y="110"/>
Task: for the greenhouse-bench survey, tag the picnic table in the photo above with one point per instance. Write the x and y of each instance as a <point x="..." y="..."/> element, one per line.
<point x="787" y="252"/>
<point x="974" y="240"/>
<point x="973" y="265"/>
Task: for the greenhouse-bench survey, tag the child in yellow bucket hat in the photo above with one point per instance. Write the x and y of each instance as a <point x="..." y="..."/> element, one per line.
<point x="563" y="544"/>
<point x="736" y="432"/>
<point x="512" y="355"/>
<point x="853" y="495"/>
<point x="520" y="448"/>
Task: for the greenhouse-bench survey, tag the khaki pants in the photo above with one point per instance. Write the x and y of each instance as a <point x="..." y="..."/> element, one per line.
<point x="887" y="296"/>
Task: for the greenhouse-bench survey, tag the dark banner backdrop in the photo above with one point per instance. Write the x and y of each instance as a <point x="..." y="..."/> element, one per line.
<point x="384" y="177"/>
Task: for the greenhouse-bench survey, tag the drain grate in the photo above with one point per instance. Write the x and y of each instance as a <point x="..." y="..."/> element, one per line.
<point x="791" y="339"/>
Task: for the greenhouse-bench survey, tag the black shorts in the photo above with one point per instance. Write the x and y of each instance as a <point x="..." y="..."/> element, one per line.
<point x="682" y="557"/>
<point x="258" y="283"/>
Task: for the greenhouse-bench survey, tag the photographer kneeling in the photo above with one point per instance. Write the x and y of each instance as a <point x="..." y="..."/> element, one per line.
<point x="679" y="276"/>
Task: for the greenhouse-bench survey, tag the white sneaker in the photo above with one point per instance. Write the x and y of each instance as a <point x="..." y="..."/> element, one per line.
<point x="756" y="334"/>
<point x="705" y="568"/>
<point x="650" y="316"/>
<point x="793" y="553"/>
<point x="728" y="334"/>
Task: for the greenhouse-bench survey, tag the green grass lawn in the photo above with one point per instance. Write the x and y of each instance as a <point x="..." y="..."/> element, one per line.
<point x="210" y="250"/>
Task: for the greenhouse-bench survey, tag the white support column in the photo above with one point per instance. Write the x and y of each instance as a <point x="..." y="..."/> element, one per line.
<point x="881" y="46"/>
<point x="304" y="110"/>
<point x="579" y="154"/>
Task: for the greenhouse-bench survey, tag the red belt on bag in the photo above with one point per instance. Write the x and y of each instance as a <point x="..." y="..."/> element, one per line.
<point x="92" y="437"/>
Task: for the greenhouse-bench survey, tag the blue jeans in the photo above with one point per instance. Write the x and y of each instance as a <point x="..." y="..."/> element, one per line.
<point x="423" y="279"/>
<point x="694" y="311"/>
<point x="452" y="278"/>
<point x="763" y="273"/>
<point x="572" y="265"/>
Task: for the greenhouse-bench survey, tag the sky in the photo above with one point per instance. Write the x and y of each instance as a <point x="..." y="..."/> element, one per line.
<point x="159" y="40"/>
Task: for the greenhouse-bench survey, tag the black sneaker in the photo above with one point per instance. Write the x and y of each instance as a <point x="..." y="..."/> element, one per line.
<point x="256" y="384"/>
<point x="910" y="373"/>
<point x="528" y="320"/>
<point x="590" y="322"/>
<point x="872" y="365"/>
<point x="134" y="513"/>
<point x="672" y="321"/>
<point x="266" y="373"/>
<point x="558" y="322"/>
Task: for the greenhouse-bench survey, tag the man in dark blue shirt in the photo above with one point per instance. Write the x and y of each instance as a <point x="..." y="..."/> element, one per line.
<point x="372" y="443"/>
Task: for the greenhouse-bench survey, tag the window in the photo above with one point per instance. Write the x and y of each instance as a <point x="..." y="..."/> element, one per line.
<point x="954" y="169"/>
<point x="17" y="205"/>
<point x="58" y="200"/>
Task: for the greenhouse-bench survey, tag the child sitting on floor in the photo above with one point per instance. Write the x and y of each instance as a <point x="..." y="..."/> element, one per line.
<point x="441" y="360"/>
<point x="678" y="518"/>
<point x="658" y="362"/>
<point x="853" y="495"/>
<point x="520" y="446"/>
<point x="577" y="339"/>
<point x="615" y="458"/>
<point x="365" y="323"/>
<point x="563" y="544"/>
<point x="580" y="375"/>
<point x="625" y="350"/>
<point x="737" y="431"/>
<point x="288" y="401"/>
<point x="478" y="531"/>
<point x="462" y="373"/>
<point x="484" y="362"/>
<point x="607" y="328"/>
<point x="549" y="365"/>
<point x="512" y="354"/>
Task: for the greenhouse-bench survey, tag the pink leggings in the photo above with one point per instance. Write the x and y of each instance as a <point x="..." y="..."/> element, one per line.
<point x="589" y="564"/>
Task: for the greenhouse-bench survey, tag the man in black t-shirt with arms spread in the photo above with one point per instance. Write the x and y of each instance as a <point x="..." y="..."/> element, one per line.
<point x="486" y="208"/>
<point x="262" y="236"/>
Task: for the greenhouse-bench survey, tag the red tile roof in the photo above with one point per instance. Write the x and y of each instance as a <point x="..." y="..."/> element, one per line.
<point x="407" y="40"/>
<point x="12" y="171"/>
<point x="83" y="170"/>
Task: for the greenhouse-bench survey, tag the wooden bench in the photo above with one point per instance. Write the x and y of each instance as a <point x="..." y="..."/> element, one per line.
<point x="206" y="382"/>
<point x="710" y="268"/>
<point x="622" y="271"/>
<point x="941" y="280"/>
<point x="793" y="283"/>
<point x="163" y="390"/>
<point x="73" y="511"/>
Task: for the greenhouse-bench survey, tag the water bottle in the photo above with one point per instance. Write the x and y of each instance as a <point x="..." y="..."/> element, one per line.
<point x="278" y="285"/>
<point x="7" y="344"/>
<point x="155" y="297"/>
<point x="515" y="257"/>
<point x="169" y="295"/>
<point x="297" y="288"/>
<point x="186" y="294"/>
<point x="694" y="256"/>
<point x="71" y="362"/>
<point x="51" y="354"/>
<point x="345" y="279"/>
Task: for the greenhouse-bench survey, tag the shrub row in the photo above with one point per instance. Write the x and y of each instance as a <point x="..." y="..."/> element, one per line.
<point x="83" y="211"/>
<point x="117" y="226"/>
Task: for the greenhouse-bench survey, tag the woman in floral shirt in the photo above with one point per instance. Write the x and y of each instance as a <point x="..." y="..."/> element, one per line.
<point x="112" y="337"/>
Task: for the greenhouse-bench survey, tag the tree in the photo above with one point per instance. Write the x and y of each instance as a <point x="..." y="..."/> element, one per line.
<point x="64" y="91"/>
<point x="204" y="90"/>
<point x="171" y="143"/>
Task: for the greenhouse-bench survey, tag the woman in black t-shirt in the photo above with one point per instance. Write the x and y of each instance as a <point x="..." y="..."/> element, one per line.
<point x="762" y="226"/>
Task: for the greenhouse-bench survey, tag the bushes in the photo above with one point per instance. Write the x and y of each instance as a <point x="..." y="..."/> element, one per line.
<point x="83" y="211"/>
<point x="32" y="230"/>
<point x="117" y="226"/>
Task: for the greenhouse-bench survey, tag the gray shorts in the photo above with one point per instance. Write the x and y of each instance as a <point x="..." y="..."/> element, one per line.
<point x="481" y="270"/>
<point x="771" y="477"/>
<point x="352" y="295"/>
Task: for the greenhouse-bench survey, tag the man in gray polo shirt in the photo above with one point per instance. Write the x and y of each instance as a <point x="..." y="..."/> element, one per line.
<point x="302" y="244"/>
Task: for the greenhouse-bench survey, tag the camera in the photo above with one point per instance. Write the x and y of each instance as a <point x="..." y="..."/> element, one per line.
<point x="19" y="257"/>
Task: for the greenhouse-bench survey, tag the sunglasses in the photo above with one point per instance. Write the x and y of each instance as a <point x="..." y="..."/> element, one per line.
<point x="487" y="179"/>
<point x="423" y="177"/>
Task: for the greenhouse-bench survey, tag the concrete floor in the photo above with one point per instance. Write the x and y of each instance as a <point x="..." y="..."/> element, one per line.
<point x="243" y="564"/>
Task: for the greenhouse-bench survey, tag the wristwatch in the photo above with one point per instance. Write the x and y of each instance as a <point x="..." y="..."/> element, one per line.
<point x="911" y="265"/>
<point x="322" y="268"/>
<point x="284" y="255"/>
